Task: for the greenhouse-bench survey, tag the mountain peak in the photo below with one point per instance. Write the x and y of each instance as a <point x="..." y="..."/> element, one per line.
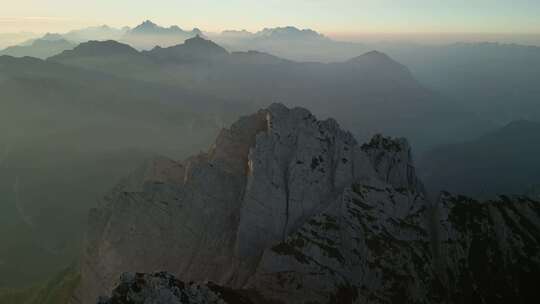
<point x="44" y="47"/>
<point x="52" y="37"/>
<point x="149" y="27"/>
<point x="248" y="186"/>
<point x="148" y="23"/>
<point x="202" y="44"/>
<point x="192" y="50"/>
<point x="198" y="39"/>
<point x="146" y="26"/>
<point x="376" y="59"/>
<point x="376" y="54"/>
<point x="98" y="48"/>
<point x="290" y="32"/>
<point x="373" y="56"/>
<point x="380" y="66"/>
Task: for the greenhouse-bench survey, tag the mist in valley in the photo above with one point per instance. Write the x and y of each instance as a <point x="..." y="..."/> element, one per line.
<point x="96" y="123"/>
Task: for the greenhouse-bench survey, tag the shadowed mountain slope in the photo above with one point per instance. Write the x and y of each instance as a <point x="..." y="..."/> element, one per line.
<point x="499" y="162"/>
<point x="368" y="94"/>
<point x="68" y="134"/>
<point x="39" y="48"/>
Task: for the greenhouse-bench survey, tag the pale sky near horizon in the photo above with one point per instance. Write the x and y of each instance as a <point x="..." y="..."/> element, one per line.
<point x="327" y="16"/>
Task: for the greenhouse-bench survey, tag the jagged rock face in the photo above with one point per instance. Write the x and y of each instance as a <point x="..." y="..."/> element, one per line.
<point x="369" y="246"/>
<point x="164" y="288"/>
<point x="295" y="209"/>
<point x="180" y="217"/>
<point x="392" y="160"/>
<point x="490" y="250"/>
<point x="296" y="168"/>
<point x="213" y="216"/>
<point x="376" y="244"/>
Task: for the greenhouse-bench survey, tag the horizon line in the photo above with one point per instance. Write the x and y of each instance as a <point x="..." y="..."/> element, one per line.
<point x="223" y="29"/>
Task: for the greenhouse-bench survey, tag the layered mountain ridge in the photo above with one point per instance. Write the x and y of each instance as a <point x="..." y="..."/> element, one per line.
<point x="69" y="134"/>
<point x="291" y="209"/>
<point x="47" y="46"/>
<point x="371" y="93"/>
<point x="99" y="48"/>
<point x="150" y="28"/>
<point x="77" y="122"/>
<point x="193" y="50"/>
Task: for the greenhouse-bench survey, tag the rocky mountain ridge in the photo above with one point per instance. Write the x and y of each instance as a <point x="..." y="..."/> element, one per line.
<point x="294" y="210"/>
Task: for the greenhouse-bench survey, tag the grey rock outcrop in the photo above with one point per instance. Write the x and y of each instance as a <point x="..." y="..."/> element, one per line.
<point x="295" y="209"/>
<point x="490" y="251"/>
<point x="296" y="169"/>
<point x="392" y="160"/>
<point x="369" y="246"/>
<point x="164" y="288"/>
<point x="180" y="217"/>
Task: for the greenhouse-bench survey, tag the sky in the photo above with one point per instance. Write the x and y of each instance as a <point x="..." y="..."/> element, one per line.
<point x="334" y="17"/>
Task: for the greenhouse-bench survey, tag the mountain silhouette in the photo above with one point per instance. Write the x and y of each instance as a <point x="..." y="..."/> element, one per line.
<point x="48" y="45"/>
<point x="148" y="35"/>
<point x="372" y="85"/>
<point x="193" y="50"/>
<point x="97" y="49"/>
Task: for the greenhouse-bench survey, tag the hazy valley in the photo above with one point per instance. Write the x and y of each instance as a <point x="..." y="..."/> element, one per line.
<point x="251" y="164"/>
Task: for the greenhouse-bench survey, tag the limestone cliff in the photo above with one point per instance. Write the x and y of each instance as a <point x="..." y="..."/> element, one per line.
<point x="294" y="210"/>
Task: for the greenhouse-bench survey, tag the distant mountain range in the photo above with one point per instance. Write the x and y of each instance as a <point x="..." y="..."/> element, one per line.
<point x="150" y="28"/>
<point x="76" y="122"/>
<point x="292" y="43"/>
<point x="12" y="39"/>
<point x="69" y="122"/>
<point x="102" y="32"/>
<point x="68" y="135"/>
<point x="504" y="161"/>
<point x="98" y="48"/>
<point x="287" y="32"/>
<point x="193" y="50"/>
<point x="149" y="35"/>
<point x="369" y="93"/>
<point x="498" y="82"/>
<point x="44" y="47"/>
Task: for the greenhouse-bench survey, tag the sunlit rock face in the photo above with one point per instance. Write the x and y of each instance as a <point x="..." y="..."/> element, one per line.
<point x="294" y="210"/>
